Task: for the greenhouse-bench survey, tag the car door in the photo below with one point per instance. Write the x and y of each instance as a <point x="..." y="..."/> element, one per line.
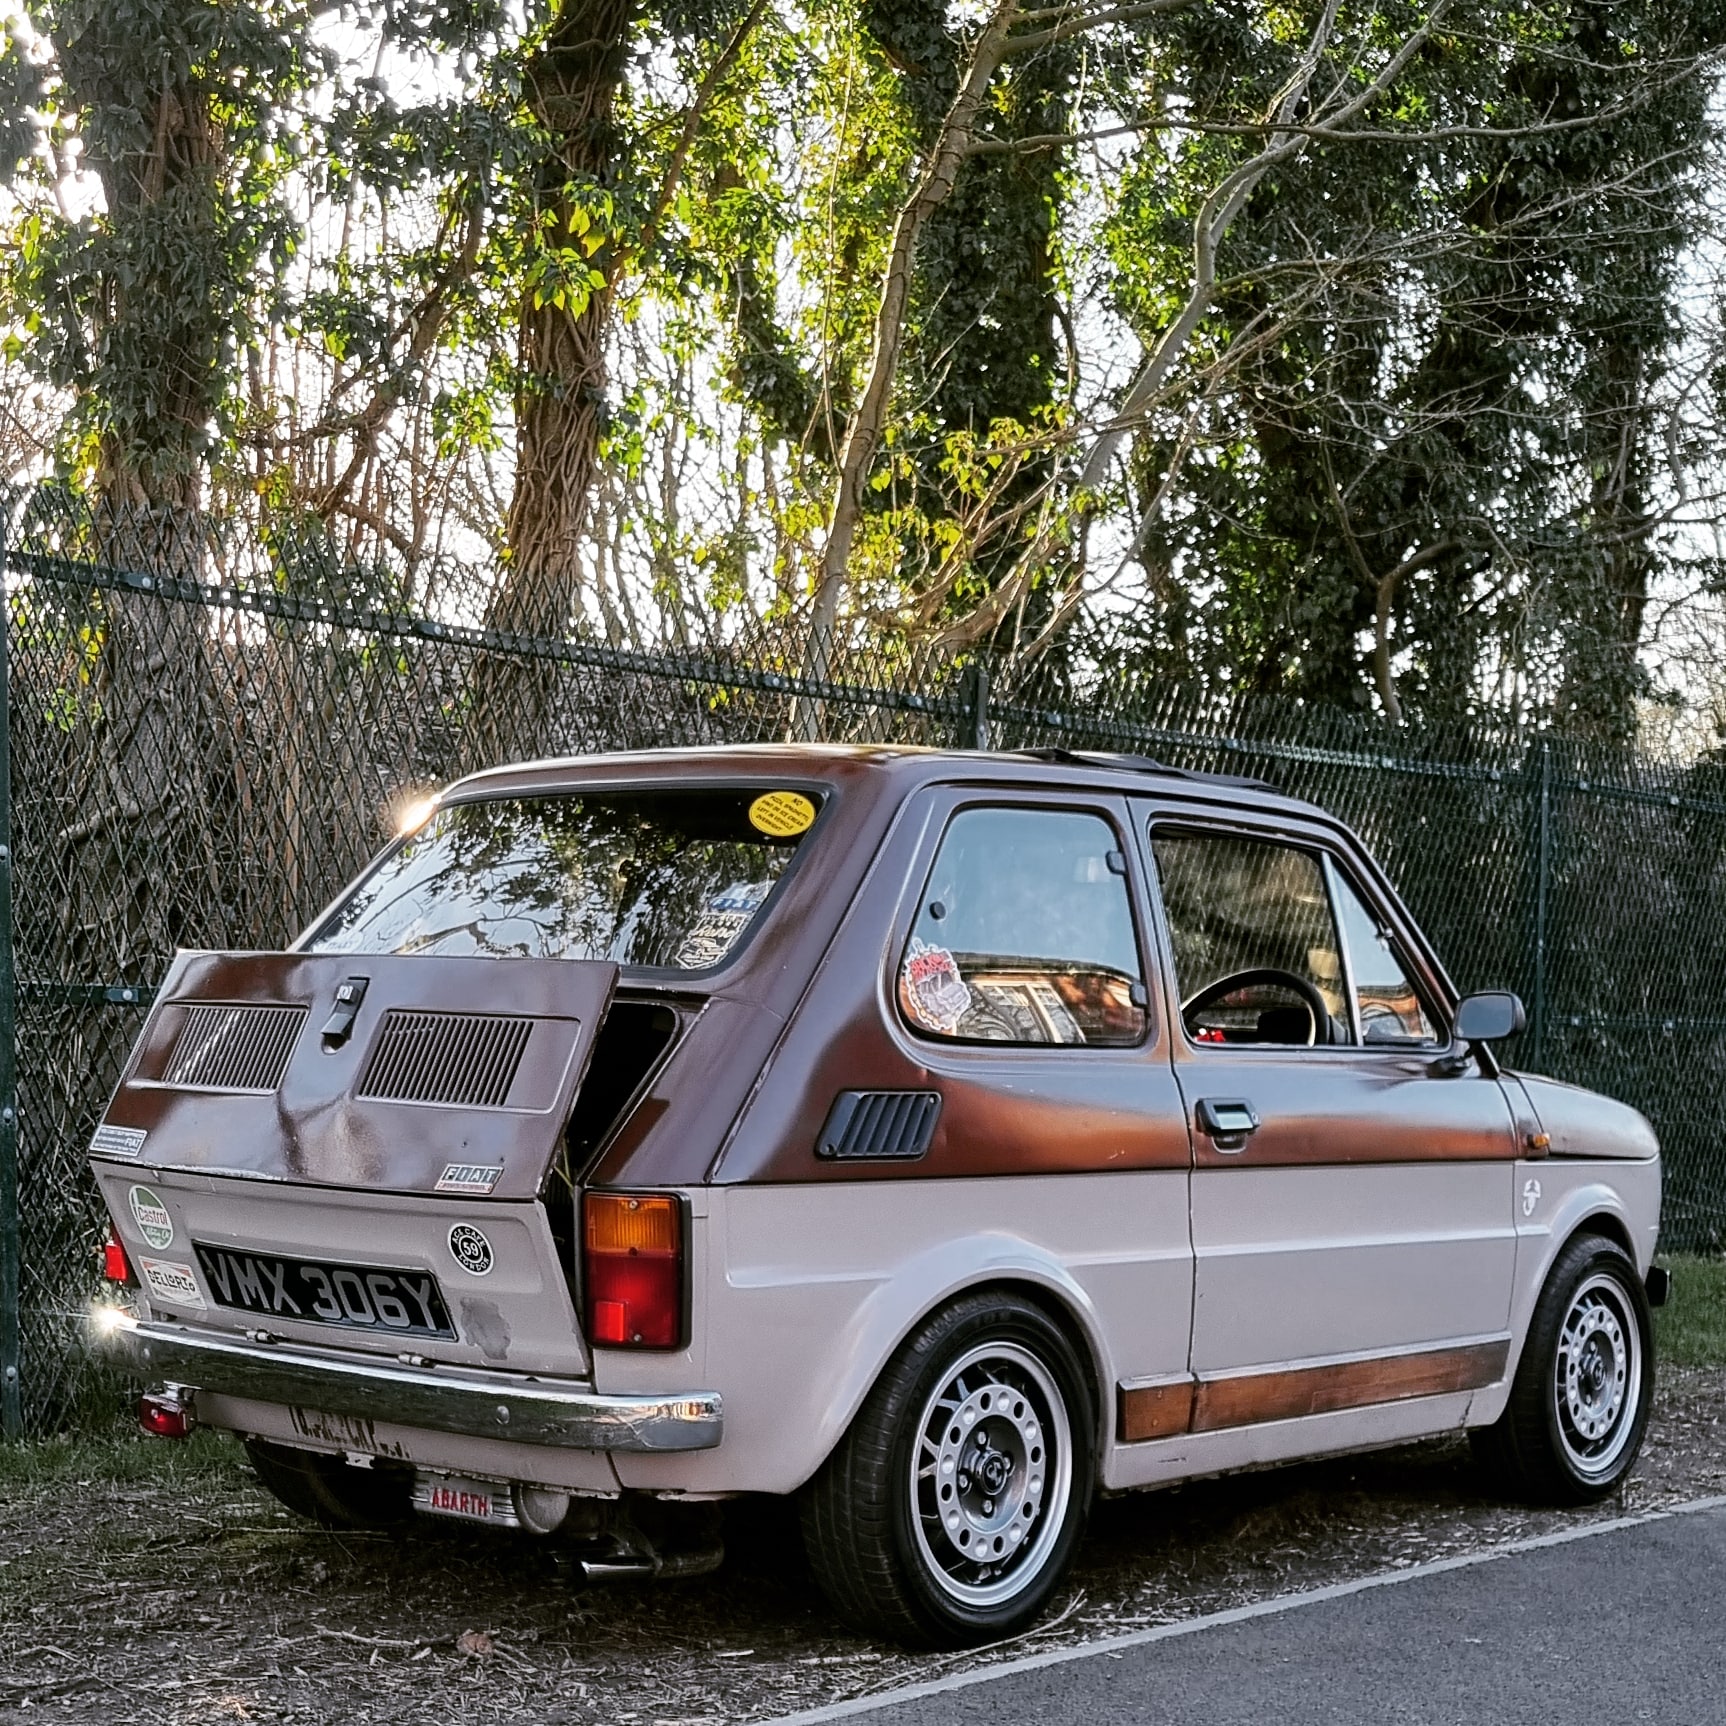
<point x="1351" y="1198"/>
<point x="1021" y="985"/>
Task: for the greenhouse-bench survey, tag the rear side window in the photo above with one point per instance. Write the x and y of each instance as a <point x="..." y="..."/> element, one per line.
<point x="1024" y="934"/>
<point x="670" y="879"/>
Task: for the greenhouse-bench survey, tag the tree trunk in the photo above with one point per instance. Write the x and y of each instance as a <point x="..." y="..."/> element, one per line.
<point x="157" y="776"/>
<point x="572" y="83"/>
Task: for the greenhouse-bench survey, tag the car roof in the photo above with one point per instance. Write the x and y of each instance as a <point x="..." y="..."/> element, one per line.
<point x="905" y="765"/>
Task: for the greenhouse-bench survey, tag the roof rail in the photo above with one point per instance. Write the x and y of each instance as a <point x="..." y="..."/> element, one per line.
<point x="1144" y="764"/>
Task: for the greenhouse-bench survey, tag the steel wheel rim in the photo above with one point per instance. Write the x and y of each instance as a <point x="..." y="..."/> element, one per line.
<point x="991" y="1473"/>
<point x="1597" y="1376"/>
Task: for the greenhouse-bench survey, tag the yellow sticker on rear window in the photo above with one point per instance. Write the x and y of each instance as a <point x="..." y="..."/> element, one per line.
<point x="781" y="814"/>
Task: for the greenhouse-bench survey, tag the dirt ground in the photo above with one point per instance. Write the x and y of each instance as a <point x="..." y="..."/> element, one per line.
<point x="175" y="1584"/>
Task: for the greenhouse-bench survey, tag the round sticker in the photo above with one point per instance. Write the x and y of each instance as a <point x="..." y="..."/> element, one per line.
<point x="152" y="1218"/>
<point x="936" y="996"/>
<point x="780" y="814"/>
<point x="471" y="1250"/>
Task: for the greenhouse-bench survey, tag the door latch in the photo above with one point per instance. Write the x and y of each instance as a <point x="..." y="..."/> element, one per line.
<point x="339" y="1026"/>
<point x="1228" y="1122"/>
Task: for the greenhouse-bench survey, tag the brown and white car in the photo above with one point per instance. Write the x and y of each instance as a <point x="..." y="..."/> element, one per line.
<point x="941" y="1138"/>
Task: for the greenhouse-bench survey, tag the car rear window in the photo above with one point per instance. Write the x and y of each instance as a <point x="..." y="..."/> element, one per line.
<point x="667" y="879"/>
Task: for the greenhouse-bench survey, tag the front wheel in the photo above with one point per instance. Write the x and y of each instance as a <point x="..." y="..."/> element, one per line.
<point x="950" y="1510"/>
<point x="1580" y="1400"/>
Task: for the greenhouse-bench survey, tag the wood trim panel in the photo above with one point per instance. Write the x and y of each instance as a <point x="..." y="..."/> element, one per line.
<point x="1153" y="1411"/>
<point x="1247" y="1399"/>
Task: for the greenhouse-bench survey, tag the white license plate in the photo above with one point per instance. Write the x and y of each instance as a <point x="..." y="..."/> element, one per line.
<point x="465" y="1498"/>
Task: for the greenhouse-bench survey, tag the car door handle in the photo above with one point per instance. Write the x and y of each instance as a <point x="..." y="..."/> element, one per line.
<point x="1228" y="1122"/>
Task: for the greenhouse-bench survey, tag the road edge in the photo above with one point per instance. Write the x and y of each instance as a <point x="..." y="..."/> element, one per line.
<point x="1280" y="1603"/>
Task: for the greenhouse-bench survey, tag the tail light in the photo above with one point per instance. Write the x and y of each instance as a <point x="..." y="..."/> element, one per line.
<point x="116" y="1267"/>
<point x="633" y="1269"/>
<point x="166" y="1414"/>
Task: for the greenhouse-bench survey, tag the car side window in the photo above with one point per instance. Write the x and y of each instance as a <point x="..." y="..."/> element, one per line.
<point x="1024" y="934"/>
<point x="1390" y="1010"/>
<point x="1256" y="951"/>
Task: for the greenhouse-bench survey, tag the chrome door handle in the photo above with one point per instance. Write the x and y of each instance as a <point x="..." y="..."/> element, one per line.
<point x="1228" y="1122"/>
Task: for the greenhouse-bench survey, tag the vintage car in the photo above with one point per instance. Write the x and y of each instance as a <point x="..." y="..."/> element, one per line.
<point x="941" y="1138"/>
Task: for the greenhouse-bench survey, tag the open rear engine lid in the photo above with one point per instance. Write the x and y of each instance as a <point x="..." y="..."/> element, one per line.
<point x="390" y="1072"/>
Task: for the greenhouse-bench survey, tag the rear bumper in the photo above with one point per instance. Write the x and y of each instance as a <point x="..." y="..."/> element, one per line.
<point x="440" y="1399"/>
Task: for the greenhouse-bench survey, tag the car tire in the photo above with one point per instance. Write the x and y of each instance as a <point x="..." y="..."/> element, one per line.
<point x="330" y="1492"/>
<point x="979" y="1437"/>
<point x="1579" y="1402"/>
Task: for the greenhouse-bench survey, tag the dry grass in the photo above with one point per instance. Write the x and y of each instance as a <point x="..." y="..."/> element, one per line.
<point x="162" y="1574"/>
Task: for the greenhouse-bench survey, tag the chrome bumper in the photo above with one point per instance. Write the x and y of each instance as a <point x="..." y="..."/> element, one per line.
<point x="441" y="1399"/>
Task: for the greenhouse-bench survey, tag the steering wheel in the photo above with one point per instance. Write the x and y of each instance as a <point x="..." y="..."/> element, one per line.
<point x="1311" y="999"/>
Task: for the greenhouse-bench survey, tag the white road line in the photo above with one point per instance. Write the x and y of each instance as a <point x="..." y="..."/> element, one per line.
<point x="1234" y="1615"/>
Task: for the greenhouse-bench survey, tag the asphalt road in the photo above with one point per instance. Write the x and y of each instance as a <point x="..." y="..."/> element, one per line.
<point x="1627" y="1625"/>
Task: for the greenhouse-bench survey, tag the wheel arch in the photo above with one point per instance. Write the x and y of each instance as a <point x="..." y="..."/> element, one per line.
<point x="1601" y="1222"/>
<point x="1048" y="1285"/>
<point x="1591" y="1207"/>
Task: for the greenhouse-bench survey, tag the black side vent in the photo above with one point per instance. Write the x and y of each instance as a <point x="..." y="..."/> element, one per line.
<point x="234" y="1048"/>
<point x="865" y="1126"/>
<point x="465" y="1060"/>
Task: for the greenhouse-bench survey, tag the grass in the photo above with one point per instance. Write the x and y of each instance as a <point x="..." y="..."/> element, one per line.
<point x="1690" y="1329"/>
<point x="116" y="1452"/>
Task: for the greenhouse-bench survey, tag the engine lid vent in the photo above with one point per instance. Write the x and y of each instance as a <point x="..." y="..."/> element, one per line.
<point x="864" y="1126"/>
<point x="462" y="1060"/>
<point x="229" y="1048"/>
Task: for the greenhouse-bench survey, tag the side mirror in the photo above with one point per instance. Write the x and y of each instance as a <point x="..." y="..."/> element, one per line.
<point x="1486" y="1017"/>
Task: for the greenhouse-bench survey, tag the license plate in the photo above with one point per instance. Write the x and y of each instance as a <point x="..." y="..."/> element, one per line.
<point x="465" y="1498"/>
<point x="357" y="1297"/>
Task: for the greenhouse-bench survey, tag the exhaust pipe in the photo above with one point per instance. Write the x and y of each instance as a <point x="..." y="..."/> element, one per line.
<point x="659" y="1566"/>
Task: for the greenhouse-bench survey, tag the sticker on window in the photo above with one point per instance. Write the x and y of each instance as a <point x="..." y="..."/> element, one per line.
<point x="780" y="814"/>
<point x="935" y="994"/>
<point x="714" y="933"/>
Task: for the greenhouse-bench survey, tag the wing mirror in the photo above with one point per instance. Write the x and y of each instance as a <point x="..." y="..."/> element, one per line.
<point x="1490" y="1015"/>
<point x="1482" y="1019"/>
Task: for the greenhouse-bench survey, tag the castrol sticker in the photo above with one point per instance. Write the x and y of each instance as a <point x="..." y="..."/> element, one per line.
<point x="936" y="996"/>
<point x="152" y="1218"/>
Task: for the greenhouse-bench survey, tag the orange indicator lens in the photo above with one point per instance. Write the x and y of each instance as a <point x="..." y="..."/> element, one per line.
<point x="631" y="1223"/>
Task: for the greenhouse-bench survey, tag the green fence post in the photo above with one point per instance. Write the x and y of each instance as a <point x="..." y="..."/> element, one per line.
<point x="1542" y="883"/>
<point x="977" y="704"/>
<point x="11" y="1338"/>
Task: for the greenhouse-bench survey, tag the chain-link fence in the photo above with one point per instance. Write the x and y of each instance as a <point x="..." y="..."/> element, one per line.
<point x="208" y="736"/>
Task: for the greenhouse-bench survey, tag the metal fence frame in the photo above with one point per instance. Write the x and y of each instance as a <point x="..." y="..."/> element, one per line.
<point x="1537" y="782"/>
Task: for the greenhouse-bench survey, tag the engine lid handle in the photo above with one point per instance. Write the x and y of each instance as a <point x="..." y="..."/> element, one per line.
<point x="339" y="1026"/>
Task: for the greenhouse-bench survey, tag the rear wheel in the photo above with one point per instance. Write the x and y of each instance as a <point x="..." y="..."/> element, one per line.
<point x="1580" y="1400"/>
<point x="330" y="1492"/>
<point x="950" y="1510"/>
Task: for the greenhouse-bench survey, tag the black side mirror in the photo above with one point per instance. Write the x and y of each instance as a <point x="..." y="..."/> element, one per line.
<point x="1486" y="1017"/>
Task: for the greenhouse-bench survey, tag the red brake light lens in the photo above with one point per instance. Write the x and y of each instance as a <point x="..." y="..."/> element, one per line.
<point x="165" y="1416"/>
<point x="116" y="1267"/>
<point x="633" y="1269"/>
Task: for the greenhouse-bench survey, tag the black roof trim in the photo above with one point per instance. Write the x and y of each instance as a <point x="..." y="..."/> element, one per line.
<point x="1144" y="764"/>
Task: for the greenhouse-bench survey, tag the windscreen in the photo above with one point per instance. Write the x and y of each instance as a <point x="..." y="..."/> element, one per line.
<point x="671" y="879"/>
